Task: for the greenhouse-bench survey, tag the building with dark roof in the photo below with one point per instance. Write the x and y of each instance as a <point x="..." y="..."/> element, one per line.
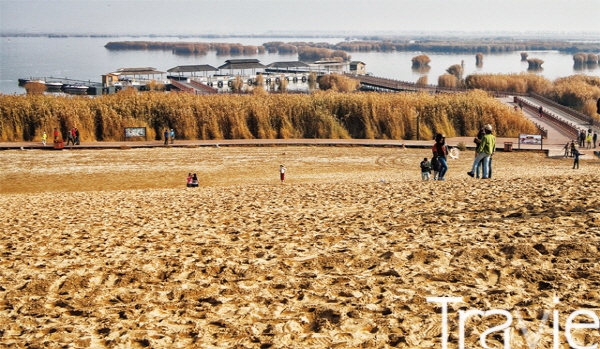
<point x="242" y="64"/>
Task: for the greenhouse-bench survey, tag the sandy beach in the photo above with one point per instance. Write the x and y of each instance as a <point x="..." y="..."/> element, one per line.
<point x="110" y="249"/>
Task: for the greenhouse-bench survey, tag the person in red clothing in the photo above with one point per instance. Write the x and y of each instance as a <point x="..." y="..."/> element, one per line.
<point x="55" y="133"/>
<point x="282" y="173"/>
<point x="440" y="151"/>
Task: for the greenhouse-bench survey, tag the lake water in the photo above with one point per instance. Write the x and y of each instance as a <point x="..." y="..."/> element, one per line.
<point x="85" y="58"/>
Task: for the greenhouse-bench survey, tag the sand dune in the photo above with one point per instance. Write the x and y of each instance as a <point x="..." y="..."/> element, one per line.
<point x="342" y="256"/>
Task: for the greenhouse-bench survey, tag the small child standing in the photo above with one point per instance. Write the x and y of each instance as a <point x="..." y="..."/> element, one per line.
<point x="425" y="169"/>
<point x="282" y="173"/>
<point x="44" y="138"/>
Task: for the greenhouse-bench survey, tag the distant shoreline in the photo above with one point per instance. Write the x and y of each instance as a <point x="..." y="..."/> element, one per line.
<point x="587" y="36"/>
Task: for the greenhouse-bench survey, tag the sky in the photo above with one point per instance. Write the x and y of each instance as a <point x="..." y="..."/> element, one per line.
<point x="189" y="17"/>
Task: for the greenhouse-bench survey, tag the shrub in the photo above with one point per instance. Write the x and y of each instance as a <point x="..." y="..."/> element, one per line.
<point x="535" y="63"/>
<point x="421" y="60"/>
<point x="336" y="82"/>
<point x="456" y="70"/>
<point x="447" y="80"/>
<point x="524" y="56"/>
<point x="237" y="84"/>
<point x="579" y="58"/>
<point x="35" y="88"/>
<point x="479" y="58"/>
<point x="155" y="86"/>
<point x="422" y="80"/>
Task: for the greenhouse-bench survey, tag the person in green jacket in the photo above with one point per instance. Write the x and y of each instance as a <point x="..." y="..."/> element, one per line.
<point x="484" y="151"/>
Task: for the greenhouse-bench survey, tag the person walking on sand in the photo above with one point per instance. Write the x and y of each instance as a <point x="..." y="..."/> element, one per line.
<point x="594" y="139"/>
<point x="477" y="140"/>
<point x="70" y="137"/>
<point x="573" y="148"/>
<point x="44" y="138"/>
<point x="567" y="149"/>
<point x="77" y="142"/>
<point x="172" y="136"/>
<point x="588" y="141"/>
<point x="581" y="138"/>
<point x="541" y="110"/>
<point x="166" y="135"/>
<point x="576" y="155"/>
<point x="282" y="170"/>
<point x="485" y="150"/>
<point x="425" y="169"/>
<point x="440" y="151"/>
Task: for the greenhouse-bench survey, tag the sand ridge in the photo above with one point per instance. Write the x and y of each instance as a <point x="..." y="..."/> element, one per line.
<point x="345" y="261"/>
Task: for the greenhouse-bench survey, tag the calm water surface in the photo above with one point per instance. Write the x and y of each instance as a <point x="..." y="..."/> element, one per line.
<point x="86" y="58"/>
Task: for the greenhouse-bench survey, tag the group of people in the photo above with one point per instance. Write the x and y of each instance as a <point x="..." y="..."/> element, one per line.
<point x="587" y="139"/>
<point x="482" y="165"/>
<point x="192" y="180"/>
<point x="72" y="136"/>
<point x="169" y="135"/>
<point x="438" y="162"/>
<point x="572" y="151"/>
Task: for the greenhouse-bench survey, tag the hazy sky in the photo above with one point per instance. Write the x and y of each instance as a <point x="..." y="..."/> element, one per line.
<point x="258" y="16"/>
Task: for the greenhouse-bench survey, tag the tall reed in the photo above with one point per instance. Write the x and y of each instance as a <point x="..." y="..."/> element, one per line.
<point x="522" y="82"/>
<point x="447" y="80"/>
<point x="259" y="115"/>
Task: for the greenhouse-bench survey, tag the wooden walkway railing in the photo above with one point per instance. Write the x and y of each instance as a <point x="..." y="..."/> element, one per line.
<point x="568" y="127"/>
<point x="181" y="86"/>
<point x="206" y="89"/>
<point x="574" y="113"/>
<point x="397" y="85"/>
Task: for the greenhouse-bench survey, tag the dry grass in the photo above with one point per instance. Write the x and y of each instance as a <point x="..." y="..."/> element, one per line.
<point x="338" y="83"/>
<point x="447" y="80"/>
<point x="522" y="82"/>
<point x="35" y="88"/>
<point x="334" y="258"/>
<point x="319" y="115"/>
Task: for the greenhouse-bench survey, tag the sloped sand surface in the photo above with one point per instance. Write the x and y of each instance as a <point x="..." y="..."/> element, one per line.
<point x="342" y="256"/>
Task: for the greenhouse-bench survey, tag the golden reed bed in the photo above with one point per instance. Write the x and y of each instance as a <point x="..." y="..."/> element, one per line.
<point x="109" y="249"/>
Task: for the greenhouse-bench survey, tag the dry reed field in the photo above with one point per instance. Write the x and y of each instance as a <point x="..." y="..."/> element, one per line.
<point x="109" y="249"/>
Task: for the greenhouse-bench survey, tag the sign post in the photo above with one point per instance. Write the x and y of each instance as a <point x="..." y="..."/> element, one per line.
<point x="135" y="132"/>
<point x="531" y="139"/>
